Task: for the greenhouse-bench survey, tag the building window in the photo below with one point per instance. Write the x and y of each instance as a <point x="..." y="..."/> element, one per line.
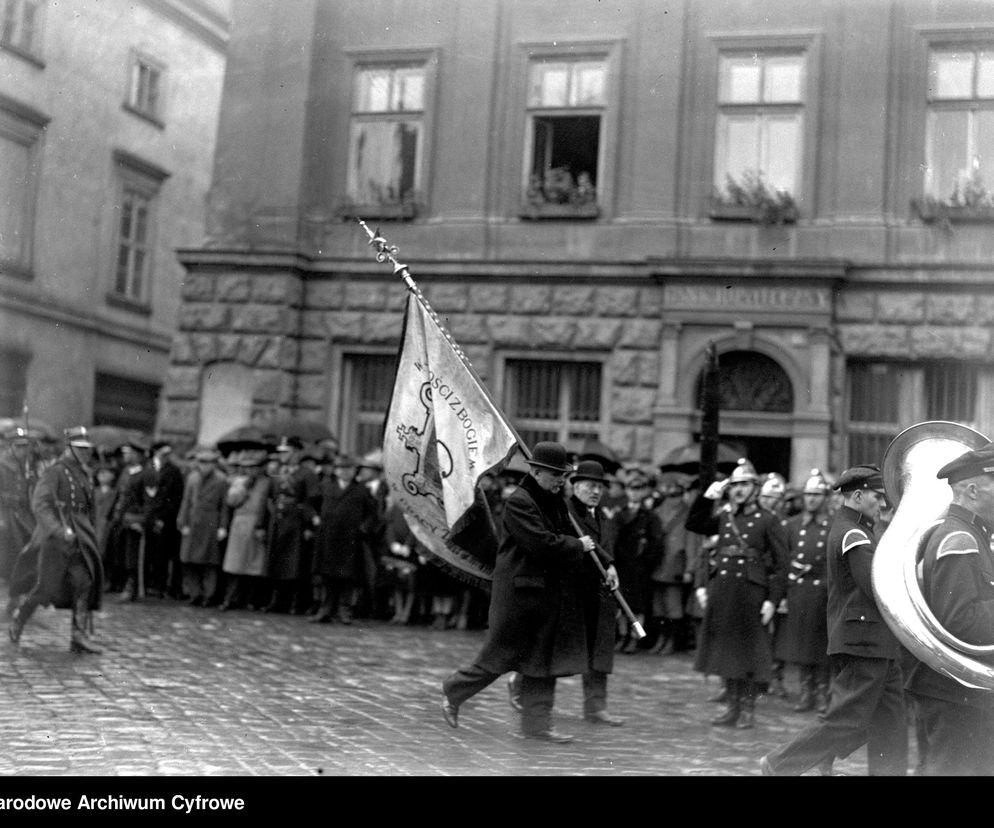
<point x="760" y="127"/>
<point x="14" y="388"/>
<point x="554" y="400"/>
<point x="368" y="384"/>
<point x="887" y="397"/>
<point x="20" y="27"/>
<point x="751" y="382"/>
<point x="138" y="189"/>
<point x="145" y="87"/>
<point x="959" y="162"/>
<point x="124" y="402"/>
<point x="566" y="109"/>
<point x="386" y="141"/>
<point x="20" y="133"/>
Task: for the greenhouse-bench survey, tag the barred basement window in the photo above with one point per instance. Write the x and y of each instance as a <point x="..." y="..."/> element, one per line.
<point x="368" y="384"/>
<point x="554" y="400"/>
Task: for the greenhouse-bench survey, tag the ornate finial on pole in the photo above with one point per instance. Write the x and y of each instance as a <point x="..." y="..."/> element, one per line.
<point x="386" y="252"/>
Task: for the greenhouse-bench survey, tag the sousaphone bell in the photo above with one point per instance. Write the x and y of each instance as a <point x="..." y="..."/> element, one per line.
<point x="921" y="499"/>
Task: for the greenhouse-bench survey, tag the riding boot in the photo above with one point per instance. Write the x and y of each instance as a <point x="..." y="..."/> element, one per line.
<point x="777" y="687"/>
<point x="82" y="626"/>
<point x="19" y="617"/>
<point x="807" y="700"/>
<point x="747" y="701"/>
<point x="730" y="715"/>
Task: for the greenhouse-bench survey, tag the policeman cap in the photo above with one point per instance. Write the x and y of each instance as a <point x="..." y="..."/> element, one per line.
<point x="972" y="464"/>
<point x="78" y="436"/>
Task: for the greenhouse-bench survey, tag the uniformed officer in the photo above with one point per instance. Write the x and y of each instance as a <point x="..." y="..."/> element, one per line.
<point x="802" y="634"/>
<point x="745" y="581"/>
<point x="867" y="691"/>
<point x="958" y="575"/>
<point x="62" y="552"/>
<point x="18" y="477"/>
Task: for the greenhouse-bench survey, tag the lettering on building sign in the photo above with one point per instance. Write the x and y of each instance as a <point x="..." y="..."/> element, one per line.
<point x="736" y="297"/>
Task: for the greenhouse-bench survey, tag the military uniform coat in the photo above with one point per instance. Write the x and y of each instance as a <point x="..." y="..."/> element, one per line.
<point x="747" y="567"/>
<point x="17" y="522"/>
<point x="536" y="621"/>
<point x="959" y="588"/>
<point x="802" y="634"/>
<point x="203" y="510"/>
<point x="63" y="497"/>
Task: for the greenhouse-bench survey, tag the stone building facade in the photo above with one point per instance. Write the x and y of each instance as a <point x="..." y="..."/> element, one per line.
<point x="861" y="312"/>
<point x="108" y="117"/>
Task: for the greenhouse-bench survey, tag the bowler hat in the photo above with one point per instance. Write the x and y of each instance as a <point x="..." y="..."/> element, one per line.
<point x="78" y="436"/>
<point x="864" y="476"/>
<point x="589" y="470"/>
<point x="972" y="464"/>
<point x="549" y="455"/>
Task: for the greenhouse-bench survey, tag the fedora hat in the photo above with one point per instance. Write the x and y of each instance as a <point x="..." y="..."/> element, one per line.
<point x="589" y="470"/>
<point x="549" y="455"/>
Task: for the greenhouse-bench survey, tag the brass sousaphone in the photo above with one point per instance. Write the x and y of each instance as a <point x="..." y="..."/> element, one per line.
<point x="909" y="467"/>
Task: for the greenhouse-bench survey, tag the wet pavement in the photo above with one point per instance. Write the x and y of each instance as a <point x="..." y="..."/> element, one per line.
<point x="183" y="691"/>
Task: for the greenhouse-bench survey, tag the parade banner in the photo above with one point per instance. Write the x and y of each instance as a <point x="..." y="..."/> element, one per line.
<point x="442" y="434"/>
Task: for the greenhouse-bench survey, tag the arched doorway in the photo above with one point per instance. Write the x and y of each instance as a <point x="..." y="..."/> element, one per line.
<point x="757" y="403"/>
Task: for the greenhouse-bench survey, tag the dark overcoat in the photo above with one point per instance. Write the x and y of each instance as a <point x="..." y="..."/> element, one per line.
<point x="747" y="567"/>
<point x="203" y="510"/>
<point x="289" y="550"/>
<point x="17" y="482"/>
<point x="63" y="497"/>
<point x="347" y="515"/>
<point x="598" y="604"/>
<point x="637" y="552"/>
<point x="536" y="623"/>
<point x="802" y="634"/>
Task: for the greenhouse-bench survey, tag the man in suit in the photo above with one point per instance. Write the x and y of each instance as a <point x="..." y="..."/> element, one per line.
<point x="163" y="483"/>
<point x="61" y="564"/>
<point x="867" y="691"/>
<point x="536" y="623"/>
<point x="958" y="575"/>
<point x="588" y="484"/>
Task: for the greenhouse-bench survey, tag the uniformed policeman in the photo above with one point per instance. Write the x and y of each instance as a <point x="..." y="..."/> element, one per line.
<point x="745" y="581"/>
<point x="18" y="477"/>
<point x="62" y="552"/>
<point x="958" y="576"/>
<point x="867" y="691"/>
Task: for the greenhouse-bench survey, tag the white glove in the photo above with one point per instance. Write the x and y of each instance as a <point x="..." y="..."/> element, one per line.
<point x="716" y="490"/>
<point x="766" y="612"/>
<point x="702" y="596"/>
<point x="782" y="607"/>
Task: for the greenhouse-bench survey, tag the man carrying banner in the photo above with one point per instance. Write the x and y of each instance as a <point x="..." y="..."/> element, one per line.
<point x="536" y="623"/>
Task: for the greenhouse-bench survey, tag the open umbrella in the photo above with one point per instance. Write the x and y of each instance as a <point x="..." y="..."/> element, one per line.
<point x="687" y="459"/>
<point x="304" y="429"/>
<point x="245" y="438"/>
<point x="110" y="438"/>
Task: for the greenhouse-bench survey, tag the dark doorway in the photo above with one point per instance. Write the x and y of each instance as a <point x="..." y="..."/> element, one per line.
<point x="767" y="454"/>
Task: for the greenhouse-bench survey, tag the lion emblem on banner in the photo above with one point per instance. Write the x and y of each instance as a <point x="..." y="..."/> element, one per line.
<point x="432" y="458"/>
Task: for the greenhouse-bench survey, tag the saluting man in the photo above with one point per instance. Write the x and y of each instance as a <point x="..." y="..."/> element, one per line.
<point x="958" y="575"/>
<point x="63" y="548"/>
<point x="867" y="691"/>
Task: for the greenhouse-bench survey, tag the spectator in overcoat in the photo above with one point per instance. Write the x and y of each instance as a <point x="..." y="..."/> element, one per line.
<point x="671" y="580"/>
<point x="163" y="482"/>
<point x="248" y="498"/>
<point x="203" y="524"/>
<point x="348" y="514"/>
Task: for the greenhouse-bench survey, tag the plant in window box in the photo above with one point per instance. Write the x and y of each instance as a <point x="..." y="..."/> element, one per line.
<point x="383" y="202"/>
<point x="752" y="199"/>
<point x="557" y="194"/>
<point x="970" y="200"/>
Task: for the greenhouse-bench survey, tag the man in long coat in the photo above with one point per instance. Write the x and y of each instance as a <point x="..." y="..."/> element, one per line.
<point x="61" y="564"/>
<point x="746" y="579"/>
<point x="164" y="482"/>
<point x="348" y="517"/>
<point x="536" y="622"/>
<point x="202" y="523"/>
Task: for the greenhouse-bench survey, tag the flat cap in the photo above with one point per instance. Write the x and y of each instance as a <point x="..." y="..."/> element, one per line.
<point x="972" y="464"/>
<point x="865" y="476"/>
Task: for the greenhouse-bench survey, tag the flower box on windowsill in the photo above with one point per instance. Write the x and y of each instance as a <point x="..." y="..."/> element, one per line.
<point x="405" y="211"/>
<point x="930" y="211"/>
<point x="559" y="211"/>
<point x="748" y="212"/>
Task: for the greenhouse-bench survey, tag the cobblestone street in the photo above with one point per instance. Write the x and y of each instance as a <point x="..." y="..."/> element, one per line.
<point x="181" y="691"/>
